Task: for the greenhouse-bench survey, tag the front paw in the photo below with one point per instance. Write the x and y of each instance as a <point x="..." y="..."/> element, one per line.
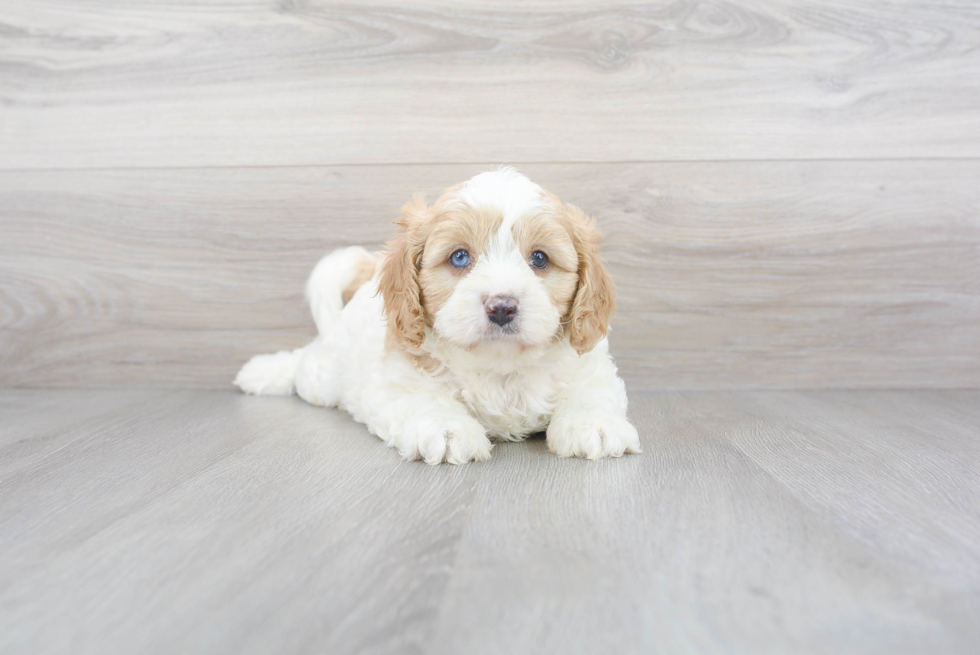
<point x="456" y="440"/>
<point x="592" y="434"/>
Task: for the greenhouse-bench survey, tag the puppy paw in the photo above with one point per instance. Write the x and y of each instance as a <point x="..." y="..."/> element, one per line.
<point x="456" y="440"/>
<point x="592" y="435"/>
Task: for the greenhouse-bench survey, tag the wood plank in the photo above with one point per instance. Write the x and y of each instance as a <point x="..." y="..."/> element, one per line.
<point x="121" y="84"/>
<point x="805" y="522"/>
<point x="915" y="497"/>
<point x="36" y="423"/>
<point x="692" y="547"/>
<point x="734" y="275"/>
<point x="32" y="412"/>
<point x="220" y="523"/>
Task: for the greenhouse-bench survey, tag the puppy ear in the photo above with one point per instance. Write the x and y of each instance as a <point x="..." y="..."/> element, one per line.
<point x="398" y="282"/>
<point x="595" y="299"/>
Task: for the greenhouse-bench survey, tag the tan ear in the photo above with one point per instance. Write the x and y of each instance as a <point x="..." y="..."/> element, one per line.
<point x="398" y="282"/>
<point x="595" y="299"/>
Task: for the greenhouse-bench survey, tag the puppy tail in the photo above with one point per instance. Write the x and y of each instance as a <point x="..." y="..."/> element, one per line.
<point x="334" y="281"/>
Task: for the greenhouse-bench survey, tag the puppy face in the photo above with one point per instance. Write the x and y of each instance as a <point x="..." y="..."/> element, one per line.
<point x="496" y="259"/>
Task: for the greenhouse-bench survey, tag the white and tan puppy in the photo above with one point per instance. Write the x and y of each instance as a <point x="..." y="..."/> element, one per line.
<point x="486" y="319"/>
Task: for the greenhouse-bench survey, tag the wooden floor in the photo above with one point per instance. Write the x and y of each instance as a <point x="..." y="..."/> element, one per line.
<point x="788" y="192"/>
<point x="188" y="521"/>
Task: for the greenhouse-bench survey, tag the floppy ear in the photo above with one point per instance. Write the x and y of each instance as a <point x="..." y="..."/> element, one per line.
<point x="595" y="299"/>
<point x="399" y="279"/>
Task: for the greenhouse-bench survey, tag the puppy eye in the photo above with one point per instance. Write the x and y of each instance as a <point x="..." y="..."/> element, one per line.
<point x="539" y="259"/>
<point x="460" y="258"/>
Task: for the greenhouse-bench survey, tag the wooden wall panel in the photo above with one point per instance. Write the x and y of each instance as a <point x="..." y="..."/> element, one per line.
<point x="116" y="83"/>
<point x="738" y="275"/>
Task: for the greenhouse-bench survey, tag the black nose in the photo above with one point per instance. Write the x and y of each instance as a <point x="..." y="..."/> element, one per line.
<point x="501" y="309"/>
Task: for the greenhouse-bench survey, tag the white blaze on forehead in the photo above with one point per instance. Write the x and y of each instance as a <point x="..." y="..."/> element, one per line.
<point x="507" y="191"/>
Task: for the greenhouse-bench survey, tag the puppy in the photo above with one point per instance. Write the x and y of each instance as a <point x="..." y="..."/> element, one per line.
<point x="485" y="319"/>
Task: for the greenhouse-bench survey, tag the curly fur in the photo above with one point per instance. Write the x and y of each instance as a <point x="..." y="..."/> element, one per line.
<point x="414" y="356"/>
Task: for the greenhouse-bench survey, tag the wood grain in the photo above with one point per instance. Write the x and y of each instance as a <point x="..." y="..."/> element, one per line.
<point x="735" y="275"/>
<point x="218" y="521"/>
<point x="191" y="521"/>
<point x="122" y="84"/>
<point x="796" y="438"/>
<point x="695" y="547"/>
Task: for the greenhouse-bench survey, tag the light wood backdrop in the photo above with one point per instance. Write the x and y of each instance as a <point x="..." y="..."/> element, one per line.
<point x="791" y="190"/>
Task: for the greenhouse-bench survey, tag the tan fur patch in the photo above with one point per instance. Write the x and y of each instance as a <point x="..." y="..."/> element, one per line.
<point x="398" y="280"/>
<point x="595" y="299"/>
<point x="549" y="233"/>
<point x="468" y="229"/>
<point x="366" y="266"/>
<point x="416" y="277"/>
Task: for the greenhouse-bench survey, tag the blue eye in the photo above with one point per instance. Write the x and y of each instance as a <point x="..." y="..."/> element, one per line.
<point x="539" y="259"/>
<point x="460" y="259"/>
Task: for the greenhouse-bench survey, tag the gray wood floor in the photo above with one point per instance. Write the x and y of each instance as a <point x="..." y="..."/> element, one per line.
<point x="190" y="521"/>
<point x="789" y="194"/>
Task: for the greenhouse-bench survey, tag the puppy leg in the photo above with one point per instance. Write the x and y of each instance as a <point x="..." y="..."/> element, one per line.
<point x="270" y="375"/>
<point x="312" y="372"/>
<point x="590" y="421"/>
<point x="591" y="433"/>
<point x="318" y="377"/>
<point x="434" y="429"/>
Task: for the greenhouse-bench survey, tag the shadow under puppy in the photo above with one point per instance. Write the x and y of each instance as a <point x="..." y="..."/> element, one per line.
<point x="485" y="319"/>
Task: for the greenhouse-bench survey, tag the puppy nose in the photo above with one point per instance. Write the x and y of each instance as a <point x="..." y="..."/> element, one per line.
<point x="501" y="309"/>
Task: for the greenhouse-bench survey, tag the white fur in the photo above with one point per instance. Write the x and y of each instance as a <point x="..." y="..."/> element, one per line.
<point x="503" y="189"/>
<point x="329" y="278"/>
<point x="487" y="384"/>
<point x="270" y="375"/>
